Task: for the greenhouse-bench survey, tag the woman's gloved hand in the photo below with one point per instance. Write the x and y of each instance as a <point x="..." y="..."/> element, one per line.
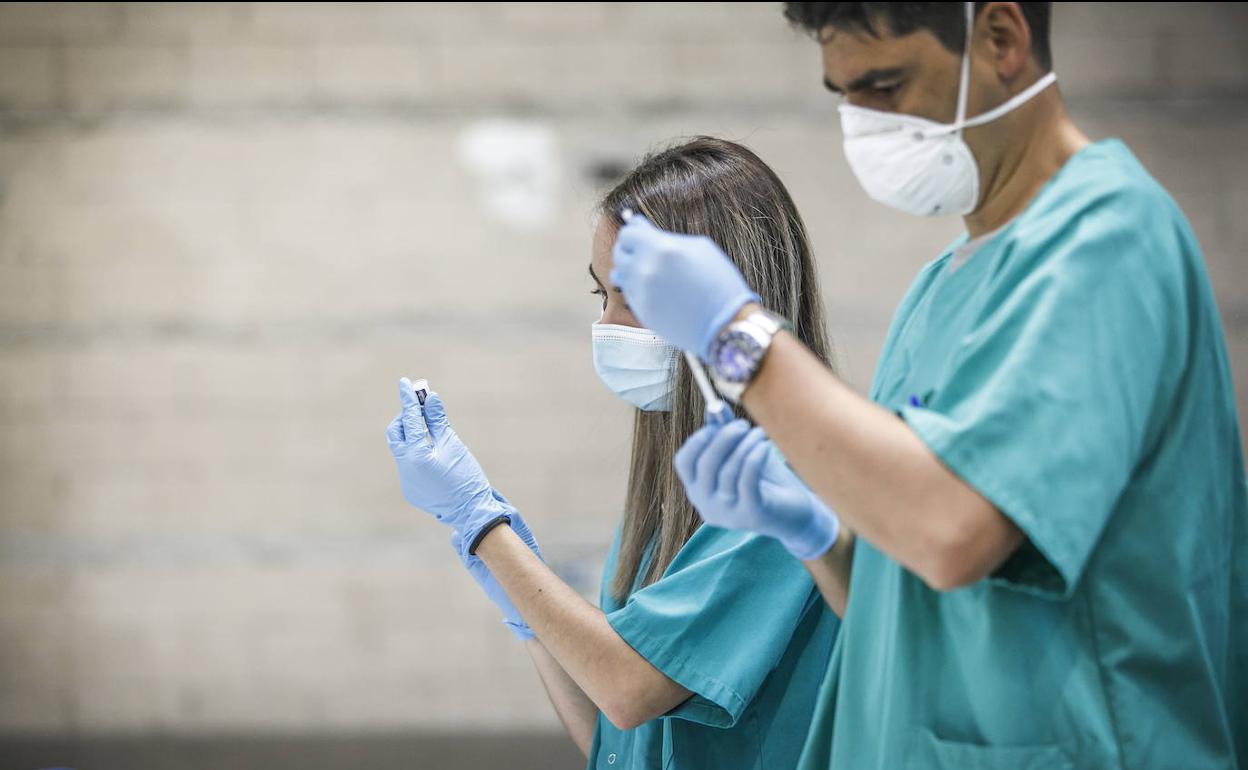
<point x="481" y="573"/>
<point x="736" y="479"/>
<point x="436" y="471"/>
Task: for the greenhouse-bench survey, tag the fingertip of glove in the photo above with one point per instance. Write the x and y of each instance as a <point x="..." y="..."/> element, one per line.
<point x="639" y="222"/>
<point x="407" y="396"/>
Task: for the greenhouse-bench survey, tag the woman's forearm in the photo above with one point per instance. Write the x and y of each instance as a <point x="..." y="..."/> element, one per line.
<point x="831" y="572"/>
<point x="624" y="686"/>
<point x="577" y="712"/>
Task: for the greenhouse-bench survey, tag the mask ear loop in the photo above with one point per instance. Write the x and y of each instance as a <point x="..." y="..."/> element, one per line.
<point x="964" y="86"/>
<point x="964" y="80"/>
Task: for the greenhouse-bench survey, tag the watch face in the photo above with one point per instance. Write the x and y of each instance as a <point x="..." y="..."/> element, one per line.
<point x="736" y="356"/>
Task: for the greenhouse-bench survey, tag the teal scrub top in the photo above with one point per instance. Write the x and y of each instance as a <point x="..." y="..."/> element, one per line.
<point x="1074" y="372"/>
<point x="736" y="620"/>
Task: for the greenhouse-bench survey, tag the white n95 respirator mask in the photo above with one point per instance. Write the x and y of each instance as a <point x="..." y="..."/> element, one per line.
<point x="918" y="165"/>
<point x="636" y="364"/>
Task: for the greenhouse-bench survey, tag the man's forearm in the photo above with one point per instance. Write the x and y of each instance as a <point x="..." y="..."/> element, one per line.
<point x="879" y="477"/>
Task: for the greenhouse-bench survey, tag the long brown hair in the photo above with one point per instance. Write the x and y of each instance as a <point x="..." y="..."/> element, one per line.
<point x="722" y="190"/>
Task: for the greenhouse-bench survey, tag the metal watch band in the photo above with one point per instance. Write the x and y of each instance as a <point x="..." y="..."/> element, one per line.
<point x="763" y="326"/>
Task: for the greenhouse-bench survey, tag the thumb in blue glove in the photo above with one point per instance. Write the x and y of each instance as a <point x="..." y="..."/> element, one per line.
<point x="736" y="479"/>
<point x="682" y="286"/>
<point x="437" y="473"/>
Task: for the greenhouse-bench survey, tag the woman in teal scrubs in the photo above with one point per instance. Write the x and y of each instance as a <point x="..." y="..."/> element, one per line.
<point x="709" y="645"/>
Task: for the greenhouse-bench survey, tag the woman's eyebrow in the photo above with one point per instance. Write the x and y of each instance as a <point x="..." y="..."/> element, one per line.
<point x="601" y="285"/>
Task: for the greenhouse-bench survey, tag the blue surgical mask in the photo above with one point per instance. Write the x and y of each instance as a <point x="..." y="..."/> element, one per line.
<point x="636" y="364"/>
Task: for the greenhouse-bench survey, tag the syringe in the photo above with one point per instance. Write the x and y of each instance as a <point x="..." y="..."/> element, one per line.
<point x="717" y="412"/>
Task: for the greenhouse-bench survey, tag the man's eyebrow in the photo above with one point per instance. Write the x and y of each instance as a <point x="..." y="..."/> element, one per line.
<point x="866" y="80"/>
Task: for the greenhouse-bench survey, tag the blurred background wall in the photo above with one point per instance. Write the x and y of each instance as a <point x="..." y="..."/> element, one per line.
<point x="227" y="229"/>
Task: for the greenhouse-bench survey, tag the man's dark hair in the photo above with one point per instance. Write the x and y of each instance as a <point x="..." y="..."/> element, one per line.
<point x="947" y="21"/>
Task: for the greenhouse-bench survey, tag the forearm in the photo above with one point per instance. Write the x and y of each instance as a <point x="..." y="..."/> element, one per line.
<point x="577" y="712"/>
<point x="880" y="478"/>
<point x="831" y="572"/>
<point x="621" y="683"/>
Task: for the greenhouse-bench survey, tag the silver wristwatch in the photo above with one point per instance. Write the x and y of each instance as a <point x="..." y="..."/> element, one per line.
<point x="737" y="353"/>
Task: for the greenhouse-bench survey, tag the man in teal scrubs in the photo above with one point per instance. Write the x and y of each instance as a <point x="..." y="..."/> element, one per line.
<point x="1043" y="559"/>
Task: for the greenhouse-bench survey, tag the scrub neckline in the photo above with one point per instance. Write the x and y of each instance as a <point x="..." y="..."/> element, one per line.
<point x="950" y="266"/>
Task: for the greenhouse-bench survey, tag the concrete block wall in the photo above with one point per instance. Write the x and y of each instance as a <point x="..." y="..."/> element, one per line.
<point x="227" y="229"/>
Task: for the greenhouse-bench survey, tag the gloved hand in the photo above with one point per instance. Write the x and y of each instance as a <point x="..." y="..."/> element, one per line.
<point x="481" y="573"/>
<point x="436" y="471"/>
<point x="681" y="286"/>
<point x="737" y="480"/>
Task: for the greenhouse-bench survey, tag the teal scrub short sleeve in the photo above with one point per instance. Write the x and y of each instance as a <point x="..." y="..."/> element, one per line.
<point x="719" y="620"/>
<point x="1057" y="393"/>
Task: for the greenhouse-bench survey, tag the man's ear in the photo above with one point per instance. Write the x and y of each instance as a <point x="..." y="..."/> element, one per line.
<point x="1009" y="38"/>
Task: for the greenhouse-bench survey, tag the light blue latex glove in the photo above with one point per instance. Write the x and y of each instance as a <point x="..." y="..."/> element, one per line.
<point x="481" y="573"/>
<point x="682" y="286"/>
<point x="737" y="480"/>
<point x="436" y="471"/>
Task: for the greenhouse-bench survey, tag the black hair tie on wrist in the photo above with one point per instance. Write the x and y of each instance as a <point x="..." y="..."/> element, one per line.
<point x="490" y="525"/>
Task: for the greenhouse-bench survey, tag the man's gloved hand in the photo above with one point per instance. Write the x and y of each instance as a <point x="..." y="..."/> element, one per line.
<point x="736" y="479"/>
<point x="481" y="573"/>
<point x="682" y="286"/>
<point x="436" y="471"/>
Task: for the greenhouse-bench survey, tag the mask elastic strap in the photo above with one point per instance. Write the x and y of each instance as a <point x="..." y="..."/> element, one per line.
<point x="964" y="80"/>
<point x="987" y="117"/>
<point x="1013" y="102"/>
<point x="964" y="83"/>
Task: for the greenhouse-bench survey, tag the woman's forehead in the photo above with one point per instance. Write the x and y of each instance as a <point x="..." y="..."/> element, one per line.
<point x="603" y="242"/>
